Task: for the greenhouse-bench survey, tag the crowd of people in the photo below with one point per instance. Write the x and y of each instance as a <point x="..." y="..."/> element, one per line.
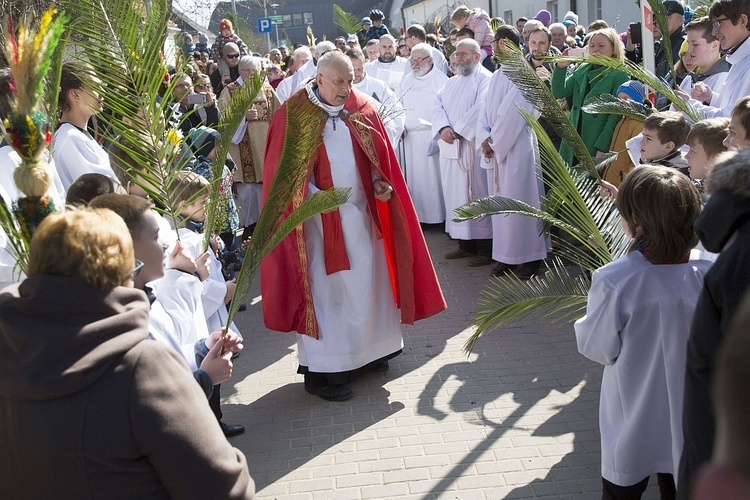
<point x="416" y="126"/>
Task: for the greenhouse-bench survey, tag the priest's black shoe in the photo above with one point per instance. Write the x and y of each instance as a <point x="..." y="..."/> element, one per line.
<point x="501" y="269"/>
<point x="330" y="392"/>
<point x="231" y="430"/>
<point x="528" y="269"/>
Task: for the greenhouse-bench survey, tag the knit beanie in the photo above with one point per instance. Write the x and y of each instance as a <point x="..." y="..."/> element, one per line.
<point x="544" y="16"/>
<point x="635" y="90"/>
<point x="230" y="48"/>
<point x="225" y="24"/>
<point x="202" y="140"/>
<point x="569" y="23"/>
<point x="571" y="16"/>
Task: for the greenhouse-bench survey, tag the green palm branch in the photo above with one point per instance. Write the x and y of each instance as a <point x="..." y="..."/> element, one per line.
<point x="17" y="243"/>
<point x="593" y="238"/>
<point x="303" y="138"/>
<point x="536" y="92"/>
<point x="559" y="294"/>
<point x="122" y="47"/>
<point x="638" y="72"/>
<point x="612" y="105"/>
<point x="231" y="117"/>
<point x="346" y="21"/>
<point x="660" y="19"/>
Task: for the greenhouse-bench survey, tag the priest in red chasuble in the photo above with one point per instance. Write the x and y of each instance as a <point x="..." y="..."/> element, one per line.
<point x="346" y="280"/>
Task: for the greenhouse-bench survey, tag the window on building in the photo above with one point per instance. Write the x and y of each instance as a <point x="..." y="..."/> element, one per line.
<point x="297" y="20"/>
<point x="307" y="17"/>
<point x="508" y="17"/>
<point x="553" y="10"/>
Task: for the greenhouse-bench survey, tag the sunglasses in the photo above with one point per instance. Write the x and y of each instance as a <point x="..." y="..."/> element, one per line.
<point x="202" y="85"/>
<point x="233" y="56"/>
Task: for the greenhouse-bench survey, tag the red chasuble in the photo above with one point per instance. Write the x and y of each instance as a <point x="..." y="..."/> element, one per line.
<point x="285" y="283"/>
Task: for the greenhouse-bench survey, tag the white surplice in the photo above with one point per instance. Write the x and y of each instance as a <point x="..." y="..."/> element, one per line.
<point x="461" y="101"/>
<point x="512" y="171"/>
<point x="77" y="153"/>
<point x="391" y="73"/>
<point x="356" y="311"/>
<point x="389" y="108"/>
<point x="292" y="84"/>
<point x="418" y="158"/>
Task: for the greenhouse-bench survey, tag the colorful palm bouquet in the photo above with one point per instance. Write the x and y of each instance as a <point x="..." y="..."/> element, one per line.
<point x="27" y="128"/>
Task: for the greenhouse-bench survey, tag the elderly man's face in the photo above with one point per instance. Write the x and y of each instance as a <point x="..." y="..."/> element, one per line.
<point x="275" y="56"/>
<point x="359" y="69"/>
<point x="247" y="70"/>
<point x="387" y="50"/>
<point x="335" y="83"/>
<point x="558" y="37"/>
<point x="300" y="60"/>
<point x="421" y="62"/>
<point x="525" y="33"/>
<point x="465" y="60"/>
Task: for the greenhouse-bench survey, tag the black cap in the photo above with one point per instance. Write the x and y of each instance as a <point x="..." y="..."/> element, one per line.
<point x="674" y="7"/>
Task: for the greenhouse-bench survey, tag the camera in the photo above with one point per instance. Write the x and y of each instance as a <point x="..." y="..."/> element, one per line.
<point x="197" y="99"/>
<point x="578" y="52"/>
<point x="635" y="33"/>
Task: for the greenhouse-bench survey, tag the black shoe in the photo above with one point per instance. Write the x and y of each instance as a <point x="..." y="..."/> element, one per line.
<point x="330" y="392"/>
<point x="528" y="269"/>
<point x="501" y="269"/>
<point x="243" y="307"/>
<point x="381" y="367"/>
<point x="480" y="261"/>
<point x="458" y="254"/>
<point x="231" y="430"/>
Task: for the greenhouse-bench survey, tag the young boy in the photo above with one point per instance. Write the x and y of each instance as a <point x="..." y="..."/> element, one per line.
<point x="637" y="323"/>
<point x="190" y="191"/>
<point x="706" y="141"/>
<point x="739" y="126"/>
<point x="626" y="129"/>
<point x="664" y="133"/>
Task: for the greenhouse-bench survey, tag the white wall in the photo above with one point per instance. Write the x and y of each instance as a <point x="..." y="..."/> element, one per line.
<point x="425" y="11"/>
<point x="616" y="12"/>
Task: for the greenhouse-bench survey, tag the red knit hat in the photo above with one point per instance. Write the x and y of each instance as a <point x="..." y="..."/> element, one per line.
<point x="225" y="24"/>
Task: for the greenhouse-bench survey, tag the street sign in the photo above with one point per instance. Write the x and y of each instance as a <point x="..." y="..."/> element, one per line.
<point x="277" y="19"/>
<point x="264" y="25"/>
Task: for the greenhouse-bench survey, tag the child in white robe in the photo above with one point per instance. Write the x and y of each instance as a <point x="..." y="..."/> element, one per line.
<point x="637" y="324"/>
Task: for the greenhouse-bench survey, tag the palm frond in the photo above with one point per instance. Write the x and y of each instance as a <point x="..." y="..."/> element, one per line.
<point x="612" y="105"/>
<point x="346" y="21"/>
<point x="637" y="72"/>
<point x="312" y="206"/>
<point x="17" y="240"/>
<point x="231" y="117"/>
<point x="660" y="19"/>
<point x="536" y="92"/>
<point x="122" y="48"/>
<point x="559" y="294"/>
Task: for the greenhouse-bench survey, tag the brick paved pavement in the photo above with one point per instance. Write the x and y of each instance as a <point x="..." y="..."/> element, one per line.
<point x="516" y="419"/>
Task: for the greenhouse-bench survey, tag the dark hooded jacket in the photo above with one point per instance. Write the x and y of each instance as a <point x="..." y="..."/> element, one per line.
<point x="90" y="408"/>
<point x="724" y="226"/>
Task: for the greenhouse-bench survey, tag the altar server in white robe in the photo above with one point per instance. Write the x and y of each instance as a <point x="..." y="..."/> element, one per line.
<point x="510" y="145"/>
<point x="420" y="162"/>
<point x="304" y="69"/>
<point x="388" y="67"/>
<point x="461" y="101"/>
<point x="389" y="108"/>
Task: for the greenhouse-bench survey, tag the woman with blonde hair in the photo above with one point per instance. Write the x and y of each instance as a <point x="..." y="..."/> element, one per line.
<point x="84" y="395"/>
<point x="589" y="80"/>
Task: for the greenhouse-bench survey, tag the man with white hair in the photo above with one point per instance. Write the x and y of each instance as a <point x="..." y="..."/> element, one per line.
<point x="511" y="154"/>
<point x="454" y="123"/>
<point x="418" y="95"/>
<point x="389" y="108"/>
<point x="372" y="51"/>
<point x="304" y="69"/>
<point x="559" y="35"/>
<point x="389" y="67"/>
<point x="249" y="143"/>
<point x="332" y="280"/>
<point x="416" y="34"/>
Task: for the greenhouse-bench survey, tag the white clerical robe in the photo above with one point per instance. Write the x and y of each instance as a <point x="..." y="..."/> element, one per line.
<point x="77" y="153"/>
<point x="736" y="84"/>
<point x="389" y="108"/>
<point x="418" y="96"/>
<point x="461" y="101"/>
<point x="292" y="84"/>
<point x="391" y="73"/>
<point x="512" y="171"/>
<point x="355" y="309"/>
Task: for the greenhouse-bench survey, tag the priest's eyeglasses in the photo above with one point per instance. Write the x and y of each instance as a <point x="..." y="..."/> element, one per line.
<point x="137" y="270"/>
<point x="418" y="60"/>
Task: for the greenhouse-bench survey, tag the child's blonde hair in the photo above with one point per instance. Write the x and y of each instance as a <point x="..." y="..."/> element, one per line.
<point x="461" y="12"/>
<point x="660" y="206"/>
